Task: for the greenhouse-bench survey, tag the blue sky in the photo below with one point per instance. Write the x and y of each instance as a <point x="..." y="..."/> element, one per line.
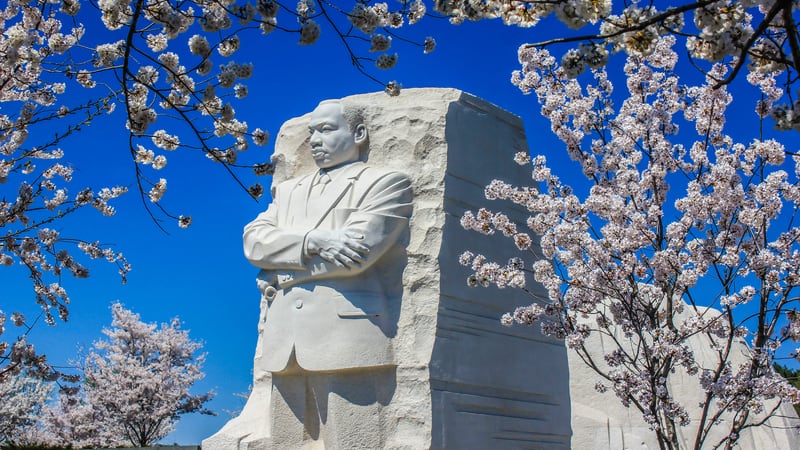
<point x="199" y="274"/>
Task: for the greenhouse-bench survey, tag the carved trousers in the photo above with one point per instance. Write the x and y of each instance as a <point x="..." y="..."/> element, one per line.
<point x="342" y="409"/>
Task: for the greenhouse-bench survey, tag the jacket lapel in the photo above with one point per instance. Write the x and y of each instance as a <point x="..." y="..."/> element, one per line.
<point x="295" y="210"/>
<point x="336" y="190"/>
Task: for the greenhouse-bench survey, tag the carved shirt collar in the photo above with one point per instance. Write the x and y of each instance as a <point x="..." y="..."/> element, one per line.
<point x="337" y="173"/>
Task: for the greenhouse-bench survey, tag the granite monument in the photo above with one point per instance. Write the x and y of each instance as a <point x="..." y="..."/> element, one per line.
<point x="369" y="336"/>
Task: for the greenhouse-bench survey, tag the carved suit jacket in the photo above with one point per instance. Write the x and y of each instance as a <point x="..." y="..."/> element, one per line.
<point x="331" y="317"/>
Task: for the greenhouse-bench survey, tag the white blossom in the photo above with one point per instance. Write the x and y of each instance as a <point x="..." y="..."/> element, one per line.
<point x="199" y="45"/>
<point x="386" y="61"/>
<point x="429" y="45"/>
<point x="158" y="190"/>
<point x="260" y="137"/>
<point x="380" y="42"/>
<point x="309" y="32"/>
<point x="157" y="42"/>
<point x="228" y="47"/>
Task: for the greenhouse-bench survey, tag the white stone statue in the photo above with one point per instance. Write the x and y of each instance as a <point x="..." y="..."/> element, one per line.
<point x="319" y="245"/>
<point x="369" y="336"/>
<point x="328" y="250"/>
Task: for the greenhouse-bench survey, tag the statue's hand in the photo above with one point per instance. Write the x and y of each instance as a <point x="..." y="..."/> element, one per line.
<point x="343" y="248"/>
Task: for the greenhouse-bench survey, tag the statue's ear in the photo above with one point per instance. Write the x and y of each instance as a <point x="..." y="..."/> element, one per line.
<point x="360" y="133"/>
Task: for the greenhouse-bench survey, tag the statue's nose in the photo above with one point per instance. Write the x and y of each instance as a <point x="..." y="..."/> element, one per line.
<point x="316" y="138"/>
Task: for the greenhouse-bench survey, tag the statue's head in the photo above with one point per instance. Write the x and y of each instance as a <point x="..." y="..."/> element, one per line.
<point x="338" y="133"/>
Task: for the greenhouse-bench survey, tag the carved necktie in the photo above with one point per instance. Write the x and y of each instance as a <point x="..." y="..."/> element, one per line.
<point x="322" y="180"/>
<point x="317" y="188"/>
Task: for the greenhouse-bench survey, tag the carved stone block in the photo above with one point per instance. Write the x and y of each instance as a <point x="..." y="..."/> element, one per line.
<point x="462" y="379"/>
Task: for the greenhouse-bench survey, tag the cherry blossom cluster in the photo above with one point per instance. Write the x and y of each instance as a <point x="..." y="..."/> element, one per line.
<point x="369" y="18"/>
<point x="168" y="91"/>
<point x="171" y="69"/>
<point x="43" y="250"/>
<point x="30" y="35"/>
<point x="134" y="386"/>
<point x="755" y="35"/>
<point x="486" y="222"/>
<point x="523" y="14"/>
<point x="489" y="273"/>
<point x="34" y="177"/>
<point x="673" y="241"/>
<point x="23" y="397"/>
<point x="724" y="28"/>
<point x="164" y="85"/>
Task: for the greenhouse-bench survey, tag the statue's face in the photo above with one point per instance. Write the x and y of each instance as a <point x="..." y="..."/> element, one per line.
<point x="332" y="141"/>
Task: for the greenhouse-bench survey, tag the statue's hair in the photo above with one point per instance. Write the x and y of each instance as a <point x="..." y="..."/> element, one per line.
<point x="353" y="112"/>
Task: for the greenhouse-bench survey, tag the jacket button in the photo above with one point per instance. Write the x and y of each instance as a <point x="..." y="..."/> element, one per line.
<point x="298" y="304"/>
